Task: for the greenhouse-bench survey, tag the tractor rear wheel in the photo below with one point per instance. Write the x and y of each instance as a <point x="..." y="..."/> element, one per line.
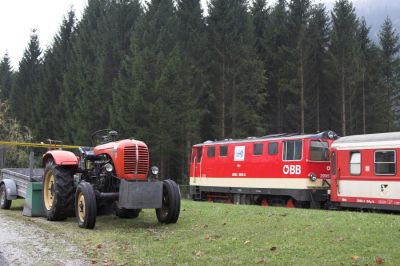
<point x="58" y="192"/>
<point x="85" y="205"/>
<point x="4" y="202"/>
<point x="127" y="213"/>
<point x="171" y="203"/>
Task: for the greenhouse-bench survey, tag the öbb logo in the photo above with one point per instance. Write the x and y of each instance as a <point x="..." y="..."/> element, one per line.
<point x="292" y="169"/>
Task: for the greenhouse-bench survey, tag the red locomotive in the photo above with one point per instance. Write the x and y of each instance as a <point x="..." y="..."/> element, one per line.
<point x="364" y="171"/>
<point x="280" y="169"/>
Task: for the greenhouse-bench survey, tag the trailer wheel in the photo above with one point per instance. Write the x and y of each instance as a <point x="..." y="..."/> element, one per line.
<point x="171" y="203"/>
<point x="4" y="202"/>
<point x="58" y="192"/>
<point x="127" y="213"/>
<point x="85" y="205"/>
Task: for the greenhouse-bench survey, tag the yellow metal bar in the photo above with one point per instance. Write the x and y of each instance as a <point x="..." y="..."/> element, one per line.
<point x="38" y="145"/>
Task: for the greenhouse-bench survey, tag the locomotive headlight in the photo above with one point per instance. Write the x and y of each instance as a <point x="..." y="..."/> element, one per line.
<point x="154" y="170"/>
<point x="109" y="167"/>
<point x="313" y="177"/>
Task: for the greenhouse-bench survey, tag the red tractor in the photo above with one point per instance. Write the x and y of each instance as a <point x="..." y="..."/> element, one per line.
<point x="112" y="173"/>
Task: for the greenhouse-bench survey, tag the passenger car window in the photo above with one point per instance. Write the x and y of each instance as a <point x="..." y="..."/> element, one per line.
<point x="355" y="163"/>
<point x="333" y="163"/>
<point x="385" y="162"/>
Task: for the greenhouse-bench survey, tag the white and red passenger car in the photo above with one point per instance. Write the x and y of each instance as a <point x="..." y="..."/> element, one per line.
<point x="365" y="171"/>
<point x="281" y="169"/>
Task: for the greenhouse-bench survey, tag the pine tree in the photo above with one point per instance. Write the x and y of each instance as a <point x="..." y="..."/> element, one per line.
<point x="343" y="57"/>
<point x="24" y="92"/>
<point x="48" y="105"/>
<point x="298" y="18"/>
<point x="318" y="107"/>
<point x="191" y="63"/>
<point x="236" y="75"/>
<point x="277" y="41"/>
<point x="150" y="114"/>
<point x="390" y="45"/>
<point x="102" y="36"/>
<point x="6" y="77"/>
<point x="260" y="13"/>
<point x="370" y="83"/>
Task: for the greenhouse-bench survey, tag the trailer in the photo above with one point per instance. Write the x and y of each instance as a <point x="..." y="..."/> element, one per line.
<point x="23" y="183"/>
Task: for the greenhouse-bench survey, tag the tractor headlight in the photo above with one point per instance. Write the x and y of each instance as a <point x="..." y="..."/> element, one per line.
<point x="154" y="170"/>
<point x="313" y="177"/>
<point x="109" y="167"/>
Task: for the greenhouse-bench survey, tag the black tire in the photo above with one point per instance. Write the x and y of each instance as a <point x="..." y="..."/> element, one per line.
<point x="85" y="205"/>
<point x="58" y="192"/>
<point x="4" y="202"/>
<point x="127" y="213"/>
<point x="171" y="203"/>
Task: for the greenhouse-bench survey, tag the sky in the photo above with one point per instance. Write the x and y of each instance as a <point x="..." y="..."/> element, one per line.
<point x="19" y="17"/>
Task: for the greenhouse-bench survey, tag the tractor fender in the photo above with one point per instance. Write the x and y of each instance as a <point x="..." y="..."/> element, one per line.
<point x="60" y="157"/>
<point x="11" y="188"/>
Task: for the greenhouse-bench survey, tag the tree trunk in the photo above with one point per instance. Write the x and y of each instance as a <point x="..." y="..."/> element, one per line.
<point x="223" y="100"/>
<point x="343" y="99"/>
<point x="301" y="93"/>
<point x="363" y="101"/>
<point x="234" y="110"/>
<point x="279" y="103"/>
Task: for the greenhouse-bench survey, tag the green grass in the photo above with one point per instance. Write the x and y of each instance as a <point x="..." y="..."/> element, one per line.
<point x="222" y="234"/>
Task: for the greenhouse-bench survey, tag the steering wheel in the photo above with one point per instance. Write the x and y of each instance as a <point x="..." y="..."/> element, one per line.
<point x="103" y="136"/>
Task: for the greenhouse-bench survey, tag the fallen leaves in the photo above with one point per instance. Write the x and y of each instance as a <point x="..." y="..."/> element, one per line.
<point x="198" y="254"/>
<point x="211" y="237"/>
<point x="379" y="261"/>
<point x="247" y="242"/>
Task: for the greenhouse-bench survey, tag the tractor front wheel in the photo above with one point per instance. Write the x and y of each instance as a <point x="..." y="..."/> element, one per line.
<point x="171" y="203"/>
<point x="85" y="205"/>
<point x="4" y="202"/>
<point x="58" y="192"/>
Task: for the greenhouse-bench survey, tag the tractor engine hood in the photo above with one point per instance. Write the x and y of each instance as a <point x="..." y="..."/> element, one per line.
<point x="130" y="158"/>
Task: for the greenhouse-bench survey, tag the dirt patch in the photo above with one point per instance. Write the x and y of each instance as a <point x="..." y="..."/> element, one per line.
<point x="23" y="243"/>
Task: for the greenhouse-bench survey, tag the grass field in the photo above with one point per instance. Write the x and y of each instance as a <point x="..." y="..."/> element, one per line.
<point x="222" y="234"/>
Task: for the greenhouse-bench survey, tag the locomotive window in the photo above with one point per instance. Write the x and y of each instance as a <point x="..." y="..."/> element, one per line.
<point x="292" y="150"/>
<point x="385" y="162"/>
<point x="199" y="153"/>
<point x="319" y="151"/>
<point x="273" y="148"/>
<point x="258" y="148"/>
<point x="223" y="151"/>
<point x="210" y="151"/>
<point x="355" y="163"/>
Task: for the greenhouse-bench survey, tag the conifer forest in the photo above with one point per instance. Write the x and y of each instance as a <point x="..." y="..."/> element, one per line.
<point x="172" y="75"/>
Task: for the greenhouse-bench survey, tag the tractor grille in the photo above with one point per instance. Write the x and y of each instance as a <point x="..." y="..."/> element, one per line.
<point x="136" y="160"/>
